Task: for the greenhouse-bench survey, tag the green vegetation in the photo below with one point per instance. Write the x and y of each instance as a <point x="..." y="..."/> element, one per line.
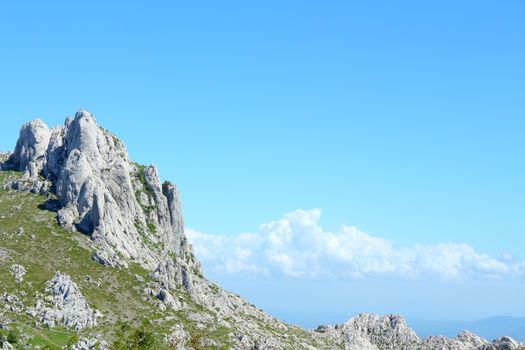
<point x="141" y="177"/>
<point x="45" y="248"/>
<point x="196" y="339"/>
<point x="138" y="338"/>
<point x="11" y="336"/>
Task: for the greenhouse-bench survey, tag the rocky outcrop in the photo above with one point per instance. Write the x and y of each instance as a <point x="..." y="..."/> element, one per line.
<point x="31" y="148"/>
<point x="123" y="206"/>
<point x="4" y="156"/>
<point x="64" y="305"/>
<point x="369" y="331"/>
<point x="93" y="343"/>
<point x="463" y="341"/>
<point x="18" y="272"/>
<point x="372" y="332"/>
<point x="506" y="343"/>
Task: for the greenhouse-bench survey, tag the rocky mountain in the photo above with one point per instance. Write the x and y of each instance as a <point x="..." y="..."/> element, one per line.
<point x="487" y="328"/>
<point x="391" y="332"/>
<point x="90" y="240"/>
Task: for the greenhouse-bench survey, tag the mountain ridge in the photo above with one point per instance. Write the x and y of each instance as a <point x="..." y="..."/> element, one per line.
<point x="126" y="220"/>
<point x="489" y="327"/>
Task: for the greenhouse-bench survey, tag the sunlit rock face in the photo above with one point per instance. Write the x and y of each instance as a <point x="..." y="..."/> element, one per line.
<point x="125" y="208"/>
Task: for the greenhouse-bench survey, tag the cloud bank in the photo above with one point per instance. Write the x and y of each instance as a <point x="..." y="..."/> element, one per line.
<point x="296" y="245"/>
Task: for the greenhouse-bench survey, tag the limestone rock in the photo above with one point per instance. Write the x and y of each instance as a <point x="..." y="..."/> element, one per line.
<point x="90" y="343"/>
<point x="18" y="272"/>
<point x="506" y="343"/>
<point x="470" y="339"/>
<point x="31" y="148"/>
<point x="5" y="345"/>
<point x="369" y="331"/>
<point x="67" y="217"/>
<point x="121" y="205"/>
<point x="64" y="305"/>
<point x="12" y="303"/>
<point x="4" y="156"/>
<point x="388" y="332"/>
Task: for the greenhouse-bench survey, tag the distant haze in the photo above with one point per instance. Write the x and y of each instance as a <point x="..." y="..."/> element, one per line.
<point x="489" y="328"/>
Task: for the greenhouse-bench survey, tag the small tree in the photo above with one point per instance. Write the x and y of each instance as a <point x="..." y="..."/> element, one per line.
<point x="196" y="339"/>
<point x="13" y="336"/>
<point x="135" y="338"/>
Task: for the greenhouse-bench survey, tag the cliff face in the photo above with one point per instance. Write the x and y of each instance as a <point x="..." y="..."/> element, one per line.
<point x="95" y="191"/>
<point x="123" y="206"/>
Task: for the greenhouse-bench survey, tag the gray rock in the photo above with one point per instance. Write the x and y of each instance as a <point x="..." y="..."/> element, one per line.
<point x="90" y="343"/>
<point x="506" y="343"/>
<point x="121" y="205"/>
<point x="64" y="305"/>
<point x="391" y="332"/>
<point x="31" y="148"/>
<point x="67" y="217"/>
<point x="18" y="272"/>
<point x="4" y="156"/>
<point x="12" y="303"/>
<point x="388" y="332"/>
<point x="6" y="346"/>
<point x="20" y="231"/>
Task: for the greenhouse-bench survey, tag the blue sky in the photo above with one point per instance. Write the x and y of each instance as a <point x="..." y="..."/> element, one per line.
<point x="404" y="119"/>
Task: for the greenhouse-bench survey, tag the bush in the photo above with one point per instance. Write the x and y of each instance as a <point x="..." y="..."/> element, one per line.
<point x="13" y="336"/>
<point x="196" y="339"/>
<point x="135" y="338"/>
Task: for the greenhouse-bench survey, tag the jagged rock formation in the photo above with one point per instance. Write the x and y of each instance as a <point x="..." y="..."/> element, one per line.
<point x="64" y="305"/>
<point x="122" y="205"/>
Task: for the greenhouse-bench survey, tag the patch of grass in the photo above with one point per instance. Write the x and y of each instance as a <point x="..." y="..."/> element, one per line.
<point x="151" y="227"/>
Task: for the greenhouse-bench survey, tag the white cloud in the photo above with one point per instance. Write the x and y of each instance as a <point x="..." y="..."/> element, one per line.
<point x="298" y="246"/>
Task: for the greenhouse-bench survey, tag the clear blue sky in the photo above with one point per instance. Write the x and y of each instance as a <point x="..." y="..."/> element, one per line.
<point x="403" y="118"/>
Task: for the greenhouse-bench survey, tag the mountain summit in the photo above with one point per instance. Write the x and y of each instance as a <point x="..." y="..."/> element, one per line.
<point x="120" y="204"/>
<point x="89" y="238"/>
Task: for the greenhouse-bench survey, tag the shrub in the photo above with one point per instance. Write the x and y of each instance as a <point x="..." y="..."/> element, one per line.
<point x="135" y="338"/>
<point x="13" y="336"/>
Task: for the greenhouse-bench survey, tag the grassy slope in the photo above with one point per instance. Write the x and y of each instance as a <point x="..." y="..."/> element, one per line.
<point x="118" y="297"/>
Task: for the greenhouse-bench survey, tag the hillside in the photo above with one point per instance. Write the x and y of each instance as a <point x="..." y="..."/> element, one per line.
<point x="93" y="254"/>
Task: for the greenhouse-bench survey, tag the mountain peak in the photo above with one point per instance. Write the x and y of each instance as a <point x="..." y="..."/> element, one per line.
<point x="101" y="192"/>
